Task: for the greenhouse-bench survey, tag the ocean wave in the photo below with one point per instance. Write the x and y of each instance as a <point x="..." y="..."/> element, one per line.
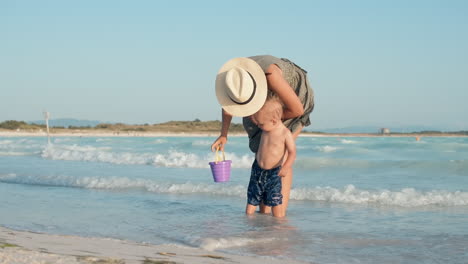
<point x="15" y="153"/>
<point x="172" y="158"/>
<point x="18" y="144"/>
<point x="123" y="183"/>
<point x="312" y="163"/>
<point x="407" y="197"/>
<point x="21" y="147"/>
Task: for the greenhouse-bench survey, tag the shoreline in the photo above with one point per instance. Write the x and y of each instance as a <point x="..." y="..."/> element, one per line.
<point x="84" y="133"/>
<point x="37" y="248"/>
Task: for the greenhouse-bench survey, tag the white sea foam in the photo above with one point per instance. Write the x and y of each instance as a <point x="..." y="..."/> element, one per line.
<point x="20" y="143"/>
<point x="15" y="153"/>
<point x="326" y="148"/>
<point x="201" y="143"/>
<point x="123" y="183"/>
<point x="212" y="244"/>
<point x="171" y="158"/>
<point x="159" y="141"/>
<point x="21" y="147"/>
<point x="347" y="141"/>
<point x="407" y="197"/>
<point x="6" y="142"/>
<point x="61" y="140"/>
<point x="103" y="139"/>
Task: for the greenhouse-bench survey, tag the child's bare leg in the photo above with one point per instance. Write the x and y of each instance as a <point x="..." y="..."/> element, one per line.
<point x="278" y="211"/>
<point x="250" y="209"/>
<point x="265" y="209"/>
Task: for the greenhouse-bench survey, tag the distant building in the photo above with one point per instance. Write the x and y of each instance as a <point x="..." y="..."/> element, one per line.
<point x="384" y="131"/>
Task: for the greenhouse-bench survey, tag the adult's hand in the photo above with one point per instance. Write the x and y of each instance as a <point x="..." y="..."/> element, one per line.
<point x="219" y="142"/>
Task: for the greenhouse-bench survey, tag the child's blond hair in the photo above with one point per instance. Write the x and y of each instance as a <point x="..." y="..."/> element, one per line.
<point x="273" y="107"/>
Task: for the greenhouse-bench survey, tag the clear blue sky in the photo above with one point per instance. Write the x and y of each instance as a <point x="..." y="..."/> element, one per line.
<point x="383" y="63"/>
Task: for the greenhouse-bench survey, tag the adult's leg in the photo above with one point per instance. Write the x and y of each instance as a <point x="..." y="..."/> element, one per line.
<point x="286" y="183"/>
<point x="278" y="211"/>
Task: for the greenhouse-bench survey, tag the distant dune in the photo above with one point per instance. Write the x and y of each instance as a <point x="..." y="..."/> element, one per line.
<point x="66" y="122"/>
<point x="185" y="127"/>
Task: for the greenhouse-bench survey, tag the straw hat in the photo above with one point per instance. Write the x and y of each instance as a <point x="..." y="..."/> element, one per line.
<point x="241" y="87"/>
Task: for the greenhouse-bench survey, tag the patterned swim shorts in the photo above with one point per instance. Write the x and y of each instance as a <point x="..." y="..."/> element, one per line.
<point x="264" y="186"/>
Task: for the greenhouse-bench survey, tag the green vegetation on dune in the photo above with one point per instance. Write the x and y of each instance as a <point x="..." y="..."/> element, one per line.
<point x="13" y="125"/>
<point x="7" y="245"/>
<point x="167" y="127"/>
<point x="171" y="126"/>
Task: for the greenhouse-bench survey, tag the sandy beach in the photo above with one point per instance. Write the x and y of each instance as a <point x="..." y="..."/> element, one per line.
<point x="21" y="247"/>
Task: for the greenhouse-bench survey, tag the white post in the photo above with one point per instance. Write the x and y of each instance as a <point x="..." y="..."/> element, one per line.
<point x="47" y="116"/>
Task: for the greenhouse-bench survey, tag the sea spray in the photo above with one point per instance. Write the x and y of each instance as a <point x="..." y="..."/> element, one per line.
<point x="171" y="158"/>
<point x="212" y="244"/>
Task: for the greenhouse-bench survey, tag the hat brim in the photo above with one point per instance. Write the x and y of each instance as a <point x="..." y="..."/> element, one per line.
<point x="259" y="98"/>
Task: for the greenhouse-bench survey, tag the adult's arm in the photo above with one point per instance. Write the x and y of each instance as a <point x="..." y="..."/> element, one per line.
<point x="290" y="145"/>
<point x="277" y="83"/>
<point x="222" y="139"/>
<point x="290" y="149"/>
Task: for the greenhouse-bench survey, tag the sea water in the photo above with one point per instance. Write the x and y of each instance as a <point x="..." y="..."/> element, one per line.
<point x="353" y="200"/>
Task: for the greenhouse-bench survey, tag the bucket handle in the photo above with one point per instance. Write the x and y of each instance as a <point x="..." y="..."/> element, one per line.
<point x="217" y="156"/>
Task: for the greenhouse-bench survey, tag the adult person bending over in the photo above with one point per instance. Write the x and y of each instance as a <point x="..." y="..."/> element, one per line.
<point x="242" y="85"/>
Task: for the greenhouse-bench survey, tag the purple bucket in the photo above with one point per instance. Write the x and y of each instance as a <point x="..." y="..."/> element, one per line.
<point x="221" y="170"/>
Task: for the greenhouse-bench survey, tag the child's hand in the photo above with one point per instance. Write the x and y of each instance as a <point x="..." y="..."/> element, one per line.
<point x="285" y="171"/>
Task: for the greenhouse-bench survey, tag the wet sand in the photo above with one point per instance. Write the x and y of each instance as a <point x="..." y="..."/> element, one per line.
<point x="22" y="247"/>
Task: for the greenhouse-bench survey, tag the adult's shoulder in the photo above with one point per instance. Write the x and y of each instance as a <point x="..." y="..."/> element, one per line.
<point x="266" y="60"/>
<point x="263" y="57"/>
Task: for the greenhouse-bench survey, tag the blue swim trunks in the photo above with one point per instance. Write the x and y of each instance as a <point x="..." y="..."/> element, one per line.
<point x="264" y="186"/>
